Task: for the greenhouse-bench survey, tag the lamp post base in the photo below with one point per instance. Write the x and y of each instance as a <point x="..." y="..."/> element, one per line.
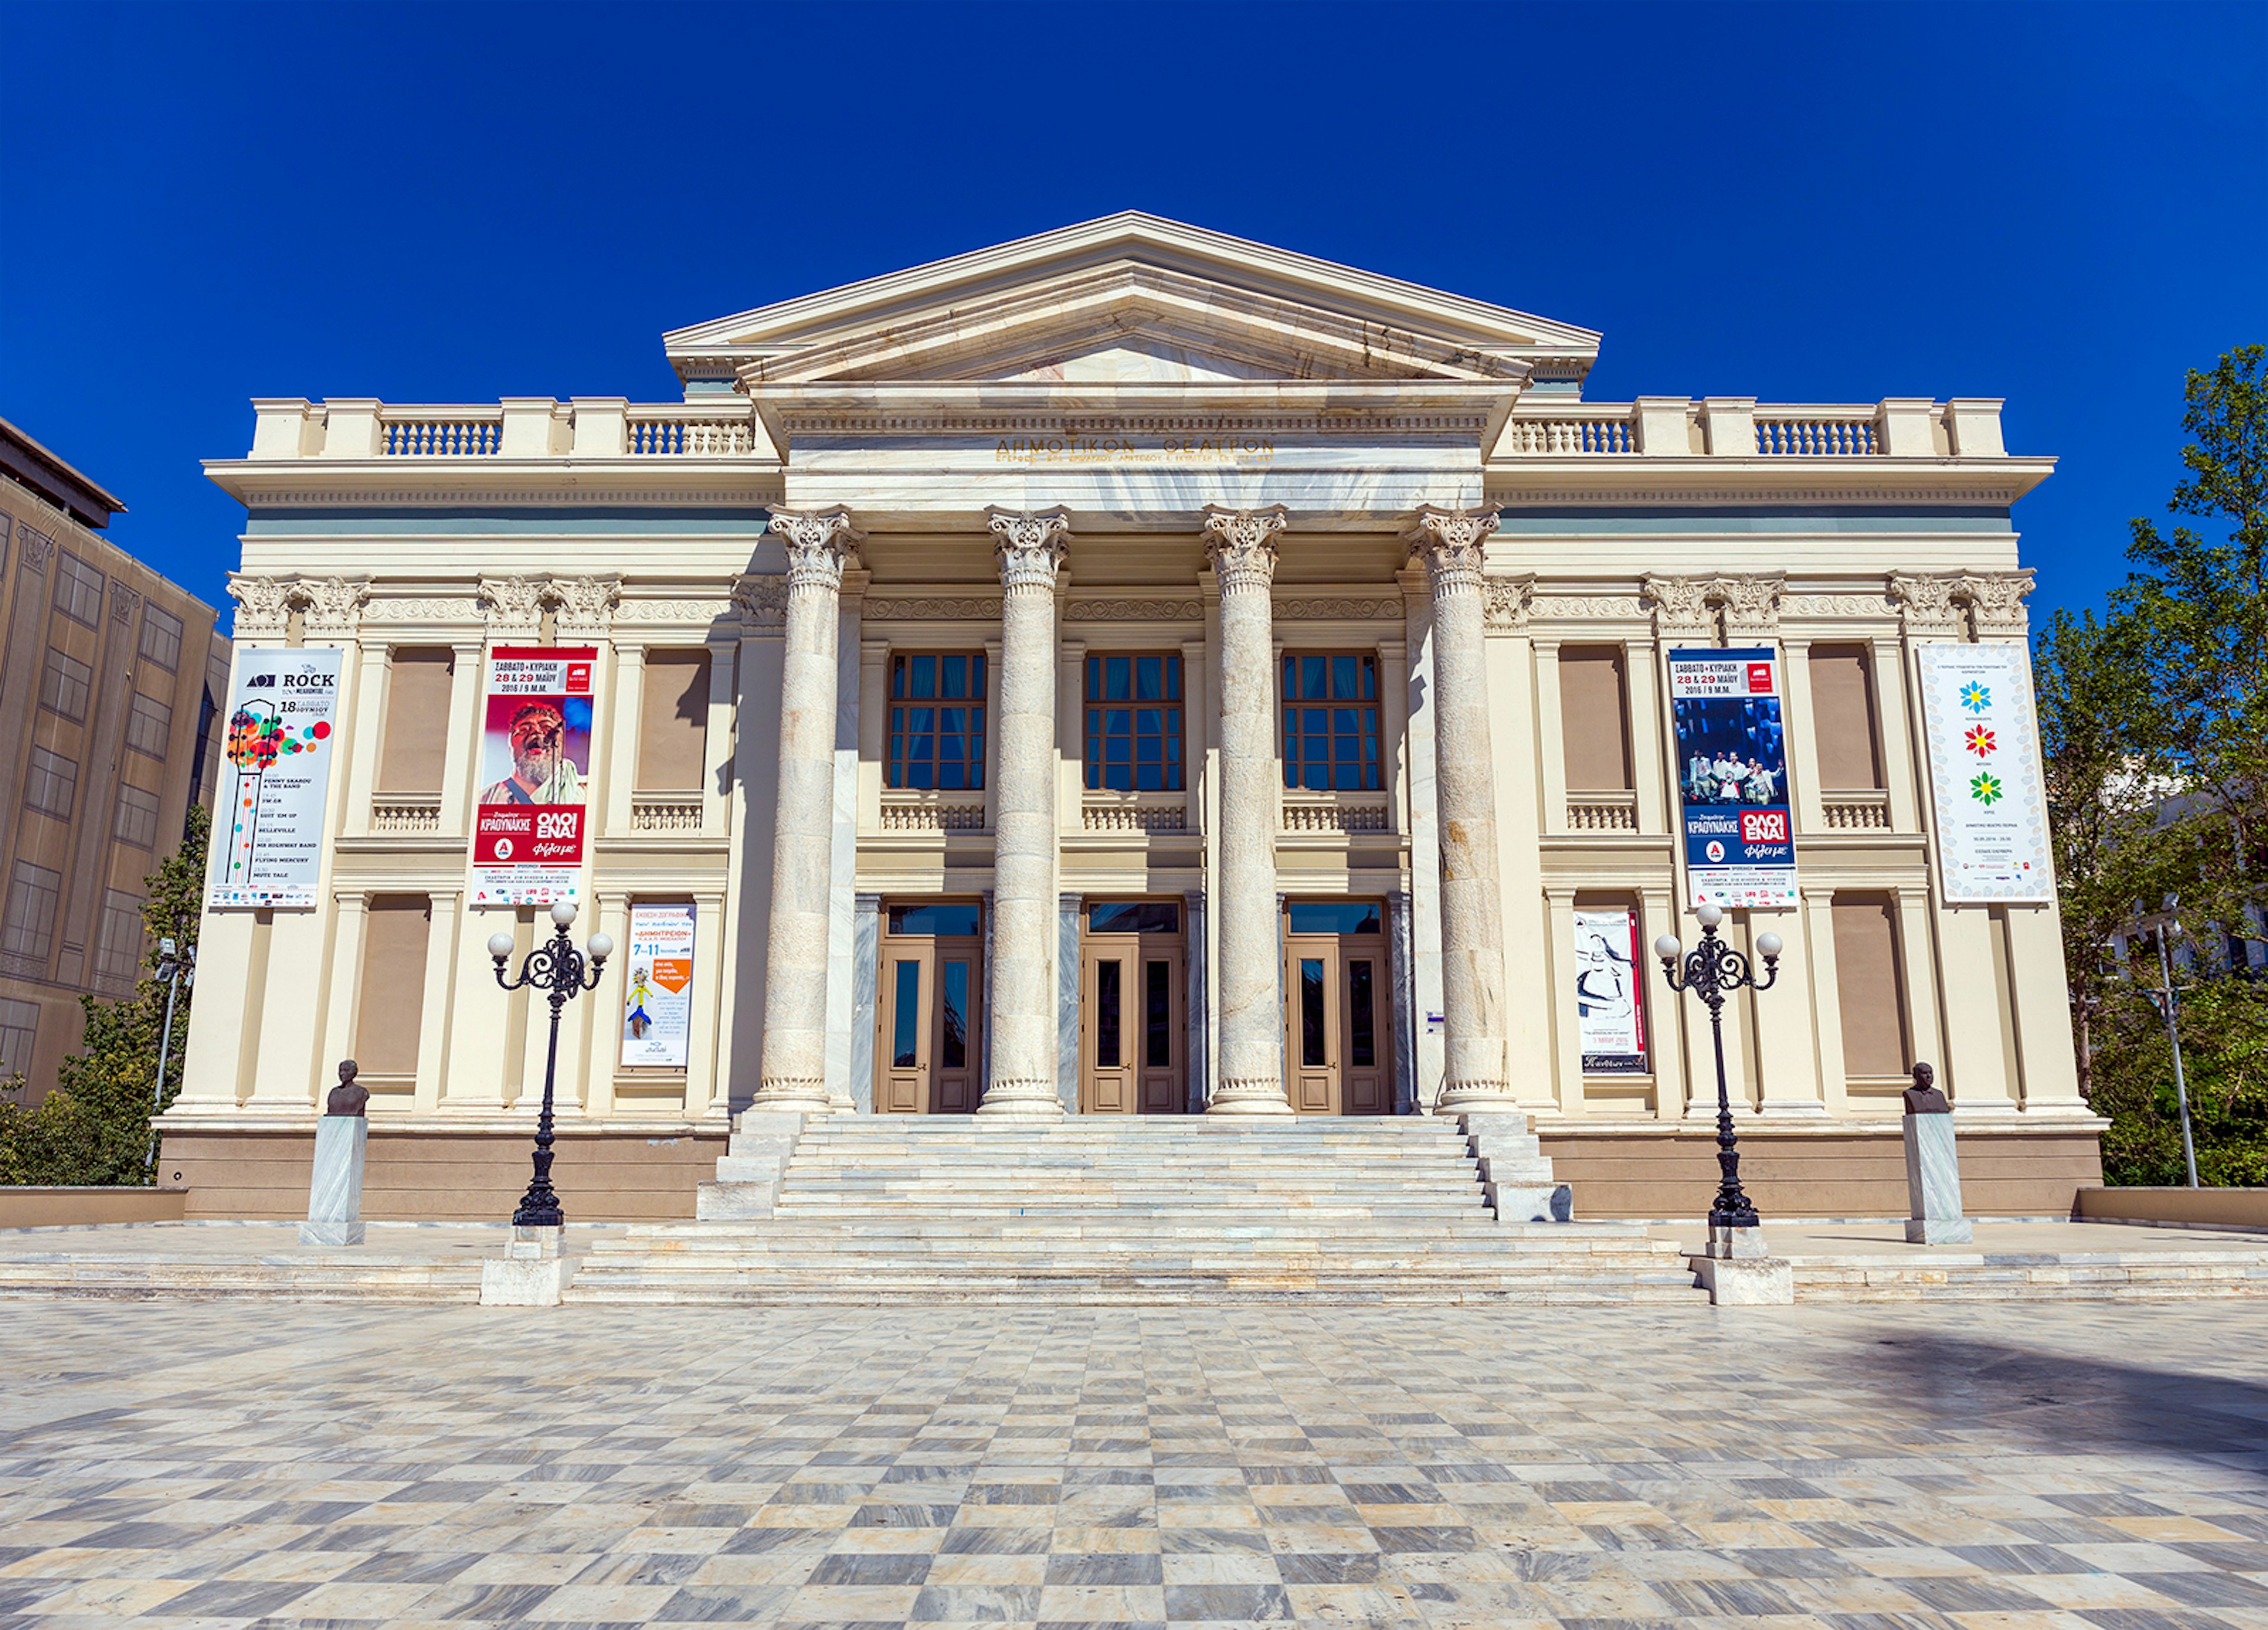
<point x="1733" y="1244"/>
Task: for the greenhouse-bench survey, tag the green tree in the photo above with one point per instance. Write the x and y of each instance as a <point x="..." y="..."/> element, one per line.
<point x="2199" y="598"/>
<point x="94" y="1128"/>
<point x="2105" y="778"/>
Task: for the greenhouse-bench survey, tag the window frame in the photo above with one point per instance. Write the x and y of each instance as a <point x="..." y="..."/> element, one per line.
<point x="1097" y="768"/>
<point x="12" y="1023"/>
<point x="74" y="573"/>
<point x="899" y="763"/>
<point x="111" y="960"/>
<point x="36" y="943"/>
<point x="53" y="681"/>
<point x="128" y="791"/>
<point x="42" y="775"/>
<point x="1368" y="725"/>
<point x="135" y="716"/>
<point x="151" y="612"/>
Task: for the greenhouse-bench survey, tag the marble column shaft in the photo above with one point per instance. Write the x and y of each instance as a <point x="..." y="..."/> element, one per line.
<point x="793" y="1073"/>
<point x="1476" y="1078"/>
<point x="1021" y="1082"/>
<point x="1241" y="545"/>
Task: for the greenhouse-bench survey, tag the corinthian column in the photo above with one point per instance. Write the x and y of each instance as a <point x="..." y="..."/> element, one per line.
<point x="794" y="1068"/>
<point x="1022" y="1083"/>
<point x="1241" y="545"/>
<point x="1472" y="905"/>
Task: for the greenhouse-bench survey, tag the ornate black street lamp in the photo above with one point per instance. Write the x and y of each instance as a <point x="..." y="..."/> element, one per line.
<point x="556" y="968"/>
<point x="1710" y="971"/>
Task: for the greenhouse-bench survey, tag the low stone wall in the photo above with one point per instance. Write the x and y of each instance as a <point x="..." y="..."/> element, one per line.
<point x="65" y="1208"/>
<point x="1655" y="1172"/>
<point x="2235" y="1208"/>
<point x="446" y="1175"/>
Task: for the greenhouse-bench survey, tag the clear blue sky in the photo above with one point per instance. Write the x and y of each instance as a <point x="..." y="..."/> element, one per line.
<point x="2066" y="206"/>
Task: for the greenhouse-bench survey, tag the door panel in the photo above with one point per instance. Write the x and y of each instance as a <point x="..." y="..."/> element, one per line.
<point x="1338" y="1021"/>
<point x="1133" y="1016"/>
<point x="927" y="1024"/>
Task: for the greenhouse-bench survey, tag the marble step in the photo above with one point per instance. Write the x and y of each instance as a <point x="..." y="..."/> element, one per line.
<point x="2112" y="1276"/>
<point x="140" y="1276"/>
<point x="1207" y="1290"/>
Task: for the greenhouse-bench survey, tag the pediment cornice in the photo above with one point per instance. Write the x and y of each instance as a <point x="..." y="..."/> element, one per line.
<point x="1001" y="312"/>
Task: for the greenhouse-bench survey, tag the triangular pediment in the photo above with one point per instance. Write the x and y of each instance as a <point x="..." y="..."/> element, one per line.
<point x="1129" y="299"/>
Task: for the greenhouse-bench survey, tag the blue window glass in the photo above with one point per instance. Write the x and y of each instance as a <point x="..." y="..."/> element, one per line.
<point x="937" y="747"/>
<point x="1133" y="917"/>
<point x="1134" y="749"/>
<point x="905" y="1020"/>
<point x="1332" y="747"/>
<point x="1333" y="916"/>
<point x="945" y="919"/>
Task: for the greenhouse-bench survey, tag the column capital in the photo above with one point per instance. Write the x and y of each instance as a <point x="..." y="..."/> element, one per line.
<point x="761" y="597"/>
<point x="1451" y="542"/>
<point x="333" y="604"/>
<point x="586" y="605"/>
<point x="513" y="605"/>
<point x="1751" y="606"/>
<point x="1507" y="599"/>
<point x="1681" y="607"/>
<point x="1996" y="600"/>
<point x="1031" y="544"/>
<point x="263" y="605"/>
<point x="820" y="542"/>
<point x="1926" y="604"/>
<point x="1241" y="545"/>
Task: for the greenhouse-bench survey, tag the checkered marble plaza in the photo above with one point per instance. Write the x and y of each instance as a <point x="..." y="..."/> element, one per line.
<point x="2020" y="1468"/>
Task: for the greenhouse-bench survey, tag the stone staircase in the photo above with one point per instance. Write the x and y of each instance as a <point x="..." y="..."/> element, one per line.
<point x="2109" y="1275"/>
<point x="862" y="1210"/>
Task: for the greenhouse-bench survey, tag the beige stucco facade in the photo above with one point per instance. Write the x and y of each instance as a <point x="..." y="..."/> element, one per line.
<point x="1151" y="407"/>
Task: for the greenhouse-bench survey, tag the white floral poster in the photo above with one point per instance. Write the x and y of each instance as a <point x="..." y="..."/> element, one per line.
<point x="1984" y="774"/>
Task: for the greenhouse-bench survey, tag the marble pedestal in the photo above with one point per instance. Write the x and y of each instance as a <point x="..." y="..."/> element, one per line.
<point x="335" y="1192"/>
<point x="1933" y="1184"/>
<point x="532" y="1275"/>
<point x="1736" y="1244"/>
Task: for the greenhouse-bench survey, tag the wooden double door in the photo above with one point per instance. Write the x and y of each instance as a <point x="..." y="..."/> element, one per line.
<point x="929" y="1010"/>
<point x="1133" y="1008"/>
<point x="1338" y="1016"/>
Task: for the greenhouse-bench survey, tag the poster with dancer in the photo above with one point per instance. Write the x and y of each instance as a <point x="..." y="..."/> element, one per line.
<point x="1610" y="993"/>
<point x="276" y="784"/>
<point x="1984" y="775"/>
<point x="658" y="994"/>
<point x="536" y="772"/>
<point x="1732" y="775"/>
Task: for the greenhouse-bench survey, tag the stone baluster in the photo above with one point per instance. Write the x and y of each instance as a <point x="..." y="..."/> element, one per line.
<point x="1241" y="546"/>
<point x="1021" y="1081"/>
<point x="1449" y="542"/>
<point x="793" y="1074"/>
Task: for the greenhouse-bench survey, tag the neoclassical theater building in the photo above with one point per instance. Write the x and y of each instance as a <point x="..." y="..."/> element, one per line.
<point x="1128" y="671"/>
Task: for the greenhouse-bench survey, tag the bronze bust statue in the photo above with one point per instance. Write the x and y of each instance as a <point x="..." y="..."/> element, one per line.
<point x="1923" y="1097"/>
<point x="347" y="1098"/>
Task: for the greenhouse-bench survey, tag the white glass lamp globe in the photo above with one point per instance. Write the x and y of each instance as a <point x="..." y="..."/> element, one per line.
<point x="563" y="914"/>
<point x="1710" y="916"/>
<point x="499" y="945"/>
<point x="1667" y="948"/>
<point x="1769" y="944"/>
<point x="602" y="946"/>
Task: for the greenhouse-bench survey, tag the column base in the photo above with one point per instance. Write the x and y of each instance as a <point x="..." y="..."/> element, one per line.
<point x="1476" y="1098"/>
<point x="791" y="1097"/>
<point x="1022" y="1101"/>
<point x="1254" y="1097"/>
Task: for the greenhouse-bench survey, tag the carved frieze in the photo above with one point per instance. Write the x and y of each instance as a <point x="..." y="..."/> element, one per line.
<point x="124" y="602"/>
<point x="1829" y="607"/>
<point x="1336" y="609"/>
<point x="1131" y="611"/>
<point x="33" y="547"/>
<point x="1586" y="608"/>
<point x="939" y="608"/>
<point x="436" y="611"/>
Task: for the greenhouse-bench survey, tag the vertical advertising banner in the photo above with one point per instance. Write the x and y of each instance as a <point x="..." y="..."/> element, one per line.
<point x="276" y="786"/>
<point x="1984" y="773"/>
<point x="1609" y="993"/>
<point x="535" y="771"/>
<point x="657" y="1003"/>
<point x="1732" y="775"/>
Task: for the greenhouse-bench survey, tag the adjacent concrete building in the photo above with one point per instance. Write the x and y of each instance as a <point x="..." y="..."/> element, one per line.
<point x="110" y="677"/>
<point x="1135" y="671"/>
